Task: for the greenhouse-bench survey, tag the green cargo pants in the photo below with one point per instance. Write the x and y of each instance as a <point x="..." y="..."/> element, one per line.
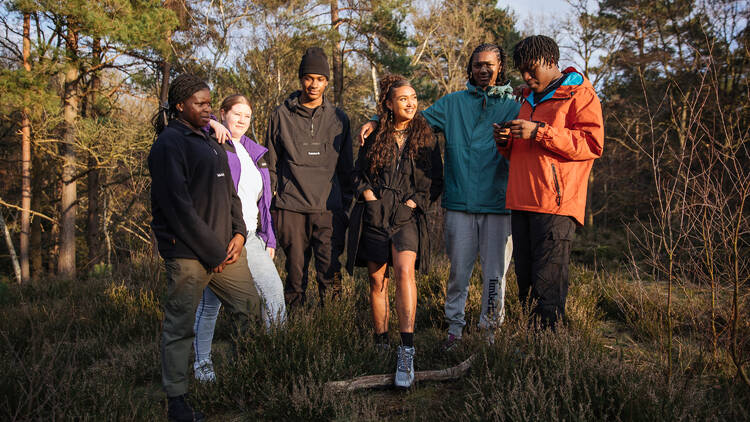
<point x="186" y="279"/>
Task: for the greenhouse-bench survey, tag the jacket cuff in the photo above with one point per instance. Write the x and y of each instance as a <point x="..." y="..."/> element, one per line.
<point x="244" y="235"/>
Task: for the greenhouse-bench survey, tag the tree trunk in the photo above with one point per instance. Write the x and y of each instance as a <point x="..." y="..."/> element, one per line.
<point x="94" y="208"/>
<point x="336" y="59"/>
<point x="166" y="68"/>
<point x="66" y="262"/>
<point x="590" y="191"/>
<point x="35" y="252"/>
<point x="11" y="248"/>
<point x="26" y="160"/>
<point x="374" y="76"/>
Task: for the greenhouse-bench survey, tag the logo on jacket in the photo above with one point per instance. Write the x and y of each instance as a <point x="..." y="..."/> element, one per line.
<point x="219" y="174"/>
<point x="313" y="153"/>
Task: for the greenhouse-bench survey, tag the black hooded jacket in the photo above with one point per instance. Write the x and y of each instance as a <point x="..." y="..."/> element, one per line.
<point x="310" y="157"/>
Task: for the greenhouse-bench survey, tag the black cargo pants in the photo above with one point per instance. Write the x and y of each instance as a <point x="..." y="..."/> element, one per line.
<point x="302" y="235"/>
<point x="541" y="251"/>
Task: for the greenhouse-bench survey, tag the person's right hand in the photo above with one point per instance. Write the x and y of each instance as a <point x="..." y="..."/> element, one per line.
<point x="366" y="130"/>
<point x="369" y="195"/>
<point x="220" y="131"/>
<point x="501" y="134"/>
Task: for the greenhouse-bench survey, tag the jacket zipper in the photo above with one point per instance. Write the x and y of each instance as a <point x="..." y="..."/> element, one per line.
<point x="557" y="184"/>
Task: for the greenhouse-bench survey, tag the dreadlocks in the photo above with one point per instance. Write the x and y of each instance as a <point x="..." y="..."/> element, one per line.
<point x="535" y="48"/>
<point x="499" y="52"/>
<point x="181" y="89"/>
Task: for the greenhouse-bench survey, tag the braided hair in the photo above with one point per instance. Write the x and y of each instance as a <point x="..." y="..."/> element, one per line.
<point x="535" y="48"/>
<point x="180" y="90"/>
<point x="384" y="147"/>
<point x="499" y="52"/>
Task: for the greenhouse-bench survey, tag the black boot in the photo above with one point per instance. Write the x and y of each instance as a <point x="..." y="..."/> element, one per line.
<point x="179" y="410"/>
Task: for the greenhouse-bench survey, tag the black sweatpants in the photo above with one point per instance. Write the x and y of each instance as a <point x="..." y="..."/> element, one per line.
<point x="541" y="251"/>
<point x="303" y="235"/>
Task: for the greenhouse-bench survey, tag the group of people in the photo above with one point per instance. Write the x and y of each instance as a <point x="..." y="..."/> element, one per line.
<point x="513" y="181"/>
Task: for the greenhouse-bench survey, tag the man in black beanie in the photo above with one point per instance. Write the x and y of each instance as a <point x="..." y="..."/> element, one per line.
<point x="310" y="160"/>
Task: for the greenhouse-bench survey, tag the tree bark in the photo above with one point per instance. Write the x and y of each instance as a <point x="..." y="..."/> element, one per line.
<point x="11" y="248"/>
<point x="386" y="380"/>
<point x="26" y="160"/>
<point x="66" y="261"/>
<point x="590" y="192"/>
<point x="336" y="59"/>
<point x="166" y="68"/>
<point x="94" y="208"/>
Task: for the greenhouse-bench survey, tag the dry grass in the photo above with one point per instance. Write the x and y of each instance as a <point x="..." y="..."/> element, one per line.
<point x="87" y="350"/>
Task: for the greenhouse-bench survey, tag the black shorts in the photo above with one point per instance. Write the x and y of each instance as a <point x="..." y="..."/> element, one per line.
<point x="375" y="243"/>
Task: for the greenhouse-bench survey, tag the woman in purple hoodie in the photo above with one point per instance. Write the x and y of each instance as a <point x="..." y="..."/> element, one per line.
<point x="252" y="182"/>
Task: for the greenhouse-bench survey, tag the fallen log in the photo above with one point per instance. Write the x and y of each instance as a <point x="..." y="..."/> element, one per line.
<point x="386" y="380"/>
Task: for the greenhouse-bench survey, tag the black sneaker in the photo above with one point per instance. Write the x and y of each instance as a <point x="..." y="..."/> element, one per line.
<point x="179" y="410"/>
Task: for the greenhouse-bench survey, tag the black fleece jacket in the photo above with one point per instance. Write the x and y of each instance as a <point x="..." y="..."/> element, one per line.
<point x="310" y="157"/>
<point x="195" y="208"/>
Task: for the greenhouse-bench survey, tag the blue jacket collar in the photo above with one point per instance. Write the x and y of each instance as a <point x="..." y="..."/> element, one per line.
<point x="572" y="78"/>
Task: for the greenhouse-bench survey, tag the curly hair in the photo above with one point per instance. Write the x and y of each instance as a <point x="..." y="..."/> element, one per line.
<point x="384" y="147"/>
<point x="499" y="52"/>
<point x="535" y="48"/>
<point x="180" y="90"/>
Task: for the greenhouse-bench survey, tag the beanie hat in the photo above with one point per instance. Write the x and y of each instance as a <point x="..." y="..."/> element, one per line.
<point x="314" y="61"/>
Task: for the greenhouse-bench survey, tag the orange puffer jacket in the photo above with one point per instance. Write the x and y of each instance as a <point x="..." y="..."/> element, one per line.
<point x="549" y="174"/>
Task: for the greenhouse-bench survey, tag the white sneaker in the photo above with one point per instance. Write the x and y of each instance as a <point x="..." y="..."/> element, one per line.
<point x="204" y="371"/>
<point x="404" y="367"/>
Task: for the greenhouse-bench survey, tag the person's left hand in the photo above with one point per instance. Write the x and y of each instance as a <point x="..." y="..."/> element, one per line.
<point x="220" y="131"/>
<point x="234" y="249"/>
<point x="411" y="204"/>
<point x="272" y="252"/>
<point x="523" y="129"/>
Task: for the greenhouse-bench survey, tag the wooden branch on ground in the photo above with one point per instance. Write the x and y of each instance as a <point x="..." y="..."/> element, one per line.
<point x="386" y="380"/>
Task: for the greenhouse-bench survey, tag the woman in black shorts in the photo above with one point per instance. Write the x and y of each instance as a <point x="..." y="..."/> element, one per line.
<point x="398" y="174"/>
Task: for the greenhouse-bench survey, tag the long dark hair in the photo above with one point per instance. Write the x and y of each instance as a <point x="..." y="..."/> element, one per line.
<point x="384" y="147"/>
<point x="180" y="90"/>
<point x="499" y="52"/>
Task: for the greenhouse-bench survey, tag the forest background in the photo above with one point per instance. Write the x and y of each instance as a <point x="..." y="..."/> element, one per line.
<point x="662" y="259"/>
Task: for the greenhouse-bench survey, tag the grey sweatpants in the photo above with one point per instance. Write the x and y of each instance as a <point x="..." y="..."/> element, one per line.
<point x="467" y="234"/>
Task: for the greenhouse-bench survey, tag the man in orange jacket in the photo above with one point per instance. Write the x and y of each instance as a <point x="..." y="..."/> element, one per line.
<point x="551" y="147"/>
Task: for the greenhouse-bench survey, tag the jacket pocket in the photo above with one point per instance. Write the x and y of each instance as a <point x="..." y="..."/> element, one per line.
<point x="402" y="215"/>
<point x="556" y="184"/>
<point x="374" y="213"/>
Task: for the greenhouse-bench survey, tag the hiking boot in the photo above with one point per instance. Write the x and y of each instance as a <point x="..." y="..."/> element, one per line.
<point x="179" y="410"/>
<point x="450" y="343"/>
<point x="204" y="371"/>
<point x="404" y="367"/>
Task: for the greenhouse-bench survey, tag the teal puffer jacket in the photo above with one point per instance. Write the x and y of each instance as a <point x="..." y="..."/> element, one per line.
<point x="476" y="175"/>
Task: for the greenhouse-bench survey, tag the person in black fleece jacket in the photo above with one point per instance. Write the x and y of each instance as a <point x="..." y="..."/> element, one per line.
<point x="197" y="220"/>
<point x="310" y="161"/>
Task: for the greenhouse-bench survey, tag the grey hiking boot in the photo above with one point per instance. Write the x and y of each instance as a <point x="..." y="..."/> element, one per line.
<point x="404" y="367"/>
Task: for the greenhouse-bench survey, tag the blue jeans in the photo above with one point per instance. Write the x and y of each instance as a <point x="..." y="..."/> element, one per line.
<point x="269" y="286"/>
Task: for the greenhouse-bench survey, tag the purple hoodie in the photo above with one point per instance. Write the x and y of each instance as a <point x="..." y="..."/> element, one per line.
<point x="256" y="152"/>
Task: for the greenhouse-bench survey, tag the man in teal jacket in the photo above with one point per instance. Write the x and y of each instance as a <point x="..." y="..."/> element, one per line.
<point x="476" y="220"/>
